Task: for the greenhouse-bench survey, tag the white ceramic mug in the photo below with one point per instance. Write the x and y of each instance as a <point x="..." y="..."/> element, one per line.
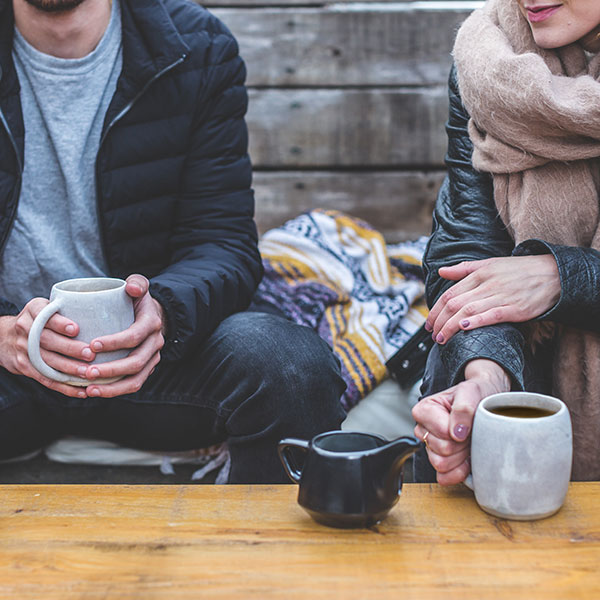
<point x="521" y="467"/>
<point x="99" y="305"/>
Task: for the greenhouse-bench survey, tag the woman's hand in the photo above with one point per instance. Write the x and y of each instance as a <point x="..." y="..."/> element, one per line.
<point x="56" y="347"/>
<point x="511" y="289"/>
<point x="146" y="338"/>
<point x="448" y="417"/>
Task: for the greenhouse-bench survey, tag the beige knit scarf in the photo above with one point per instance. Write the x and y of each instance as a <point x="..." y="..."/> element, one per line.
<point x="535" y="125"/>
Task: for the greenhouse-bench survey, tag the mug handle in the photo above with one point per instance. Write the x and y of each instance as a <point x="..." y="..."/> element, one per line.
<point x="284" y="450"/>
<point x="33" y="346"/>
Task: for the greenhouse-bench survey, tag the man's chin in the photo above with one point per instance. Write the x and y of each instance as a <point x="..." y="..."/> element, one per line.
<point x="54" y="6"/>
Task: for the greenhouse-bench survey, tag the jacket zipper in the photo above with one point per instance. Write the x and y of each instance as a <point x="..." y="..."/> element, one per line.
<point x="118" y="117"/>
<point x="17" y="190"/>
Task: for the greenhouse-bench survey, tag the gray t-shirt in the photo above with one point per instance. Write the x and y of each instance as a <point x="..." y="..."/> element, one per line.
<point x="55" y="234"/>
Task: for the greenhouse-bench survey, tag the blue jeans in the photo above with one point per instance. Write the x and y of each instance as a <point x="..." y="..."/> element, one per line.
<point x="256" y="379"/>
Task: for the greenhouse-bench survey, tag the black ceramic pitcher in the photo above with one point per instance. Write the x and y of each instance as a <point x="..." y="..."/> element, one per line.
<point x="348" y="479"/>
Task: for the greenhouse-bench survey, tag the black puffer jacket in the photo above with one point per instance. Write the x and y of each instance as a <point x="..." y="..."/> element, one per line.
<point x="466" y="226"/>
<point x="173" y="174"/>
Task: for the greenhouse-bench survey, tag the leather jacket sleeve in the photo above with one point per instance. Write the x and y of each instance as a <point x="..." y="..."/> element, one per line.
<point x="466" y="226"/>
<point x="579" y="272"/>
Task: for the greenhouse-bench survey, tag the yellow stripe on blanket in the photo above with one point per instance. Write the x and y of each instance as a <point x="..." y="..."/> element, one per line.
<point x="334" y="273"/>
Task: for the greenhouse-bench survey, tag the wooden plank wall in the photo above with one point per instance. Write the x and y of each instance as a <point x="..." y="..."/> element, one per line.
<point x="347" y="106"/>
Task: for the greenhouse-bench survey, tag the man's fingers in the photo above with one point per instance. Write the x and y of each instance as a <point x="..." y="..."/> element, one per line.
<point x="63" y="364"/>
<point x="55" y="342"/>
<point x="132" y="337"/>
<point x="127" y="385"/>
<point x="63" y="388"/>
<point x="130" y="365"/>
<point x="62" y="325"/>
<point x="137" y="285"/>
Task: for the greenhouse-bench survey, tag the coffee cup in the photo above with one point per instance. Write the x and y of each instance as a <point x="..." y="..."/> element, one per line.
<point x="99" y="305"/>
<point x="521" y="454"/>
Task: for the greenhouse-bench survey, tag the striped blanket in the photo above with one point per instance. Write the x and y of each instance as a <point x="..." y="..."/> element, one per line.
<point x="335" y="274"/>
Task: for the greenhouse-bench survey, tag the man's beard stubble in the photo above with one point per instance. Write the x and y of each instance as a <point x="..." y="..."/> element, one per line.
<point x="54" y="6"/>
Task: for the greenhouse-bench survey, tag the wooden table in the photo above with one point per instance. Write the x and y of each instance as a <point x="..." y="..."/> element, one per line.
<point x="93" y="541"/>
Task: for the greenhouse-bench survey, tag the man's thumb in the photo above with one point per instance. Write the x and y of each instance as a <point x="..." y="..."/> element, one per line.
<point x="137" y="285"/>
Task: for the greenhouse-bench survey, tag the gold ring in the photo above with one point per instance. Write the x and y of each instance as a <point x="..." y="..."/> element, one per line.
<point x="425" y="440"/>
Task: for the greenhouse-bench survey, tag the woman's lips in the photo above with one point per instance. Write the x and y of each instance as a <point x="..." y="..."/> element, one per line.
<point x="536" y="14"/>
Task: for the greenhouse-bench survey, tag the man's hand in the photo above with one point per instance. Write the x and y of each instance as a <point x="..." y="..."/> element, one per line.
<point x="56" y="346"/>
<point x="145" y="336"/>
<point x="448" y="417"/>
<point x="511" y="289"/>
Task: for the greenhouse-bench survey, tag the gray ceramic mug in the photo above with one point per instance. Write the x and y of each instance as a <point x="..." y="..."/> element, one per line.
<point x="99" y="305"/>
<point x="521" y="454"/>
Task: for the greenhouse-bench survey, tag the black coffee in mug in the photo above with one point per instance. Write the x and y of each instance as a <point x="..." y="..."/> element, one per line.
<point x="521" y="412"/>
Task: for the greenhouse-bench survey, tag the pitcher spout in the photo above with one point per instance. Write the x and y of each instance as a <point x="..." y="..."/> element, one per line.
<point x="393" y="456"/>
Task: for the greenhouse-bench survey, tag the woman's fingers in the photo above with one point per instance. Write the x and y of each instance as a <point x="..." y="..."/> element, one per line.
<point x="441" y="446"/>
<point x="451" y="297"/>
<point x="497" y="290"/>
<point x="457" y="475"/>
<point x="458" y="311"/>
<point x="447" y="464"/>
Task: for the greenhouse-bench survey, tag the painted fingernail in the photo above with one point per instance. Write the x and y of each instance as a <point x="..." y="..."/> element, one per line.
<point x="428" y="327"/>
<point x="97" y="346"/>
<point x="465" y="323"/>
<point x="87" y="353"/>
<point x="439" y="339"/>
<point x="461" y="432"/>
<point x="81" y="371"/>
<point x="94" y="373"/>
<point x="70" y="329"/>
<point x="94" y="392"/>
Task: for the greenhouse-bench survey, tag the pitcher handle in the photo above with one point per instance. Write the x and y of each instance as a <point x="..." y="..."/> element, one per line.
<point x="284" y="449"/>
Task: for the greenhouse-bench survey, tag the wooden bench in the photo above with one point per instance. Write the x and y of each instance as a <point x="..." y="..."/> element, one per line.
<point x="348" y="102"/>
<point x="347" y="108"/>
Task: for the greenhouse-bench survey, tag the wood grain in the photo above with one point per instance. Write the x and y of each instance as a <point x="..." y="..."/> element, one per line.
<point x="406" y="45"/>
<point x="371" y="127"/>
<point x="255" y="542"/>
<point x="398" y="204"/>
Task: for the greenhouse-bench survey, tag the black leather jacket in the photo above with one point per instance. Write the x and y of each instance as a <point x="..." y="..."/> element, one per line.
<point x="466" y="226"/>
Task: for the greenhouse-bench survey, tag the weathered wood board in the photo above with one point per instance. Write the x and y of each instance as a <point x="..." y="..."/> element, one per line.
<point x="255" y="542"/>
<point x="347" y="107"/>
<point x="402" y="45"/>
<point x="398" y="204"/>
<point x="401" y="127"/>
